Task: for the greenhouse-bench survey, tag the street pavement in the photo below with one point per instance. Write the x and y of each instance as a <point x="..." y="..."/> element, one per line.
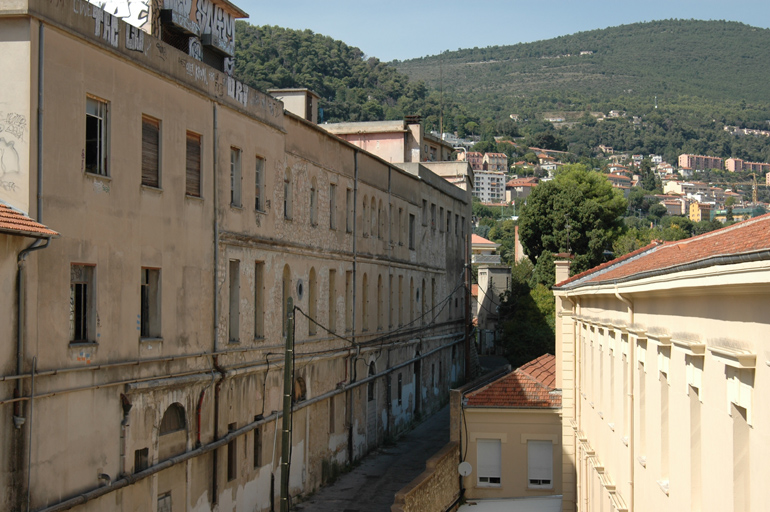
<point x="372" y="486"/>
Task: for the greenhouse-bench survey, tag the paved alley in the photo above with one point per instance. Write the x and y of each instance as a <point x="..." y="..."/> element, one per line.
<point x="372" y="486"/>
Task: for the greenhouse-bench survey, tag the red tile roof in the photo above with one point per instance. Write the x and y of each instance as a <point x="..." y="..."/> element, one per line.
<point x="478" y="240"/>
<point x="530" y="386"/>
<point x="13" y="222"/>
<point x="742" y="238"/>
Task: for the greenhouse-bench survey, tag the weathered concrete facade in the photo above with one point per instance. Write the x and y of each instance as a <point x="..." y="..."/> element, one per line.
<point x="154" y="327"/>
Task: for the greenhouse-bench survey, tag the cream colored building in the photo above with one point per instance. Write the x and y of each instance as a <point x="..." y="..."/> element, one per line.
<point x="663" y="363"/>
<point x="511" y="431"/>
<point x="149" y="336"/>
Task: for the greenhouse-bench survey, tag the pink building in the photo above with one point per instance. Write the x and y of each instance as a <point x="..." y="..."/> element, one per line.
<point x="474" y="158"/>
<point x="700" y="162"/>
<point x="738" y="165"/>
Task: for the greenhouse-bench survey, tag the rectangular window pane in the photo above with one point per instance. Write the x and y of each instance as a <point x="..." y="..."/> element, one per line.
<point x="150" y="152"/>
<point x="411" y="231"/>
<point x="333" y="206"/>
<point x="235" y="300"/>
<point x="259" y="305"/>
<point x="540" y="463"/>
<point x="235" y="177"/>
<point x="193" y="165"/>
<point x="349" y="211"/>
<point x="332" y="300"/>
<point x="489" y="461"/>
<point x="97" y="143"/>
<point x="259" y="184"/>
<point x="81" y="304"/>
<point x="150" y="304"/>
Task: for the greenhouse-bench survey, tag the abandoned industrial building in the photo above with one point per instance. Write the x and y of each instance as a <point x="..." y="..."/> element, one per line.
<point x="156" y="214"/>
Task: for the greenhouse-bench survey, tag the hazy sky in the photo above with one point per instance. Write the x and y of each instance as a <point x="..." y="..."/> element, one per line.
<point x="398" y="29"/>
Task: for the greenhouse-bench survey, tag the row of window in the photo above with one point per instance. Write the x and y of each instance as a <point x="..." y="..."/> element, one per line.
<point x="97" y="150"/>
<point x="539" y="463"/>
<point x="97" y="162"/>
<point x="82" y="306"/>
<point x="398" y="315"/>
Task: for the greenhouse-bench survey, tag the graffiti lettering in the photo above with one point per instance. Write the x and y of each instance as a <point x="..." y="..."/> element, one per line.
<point x="229" y="66"/>
<point x="161" y="50"/>
<point x="238" y="91"/>
<point x="13" y="124"/>
<point x="107" y="26"/>
<point x="212" y="19"/>
<point x="8" y="186"/>
<point x="134" y="39"/>
<point x="133" y="12"/>
<point x="195" y="50"/>
<point x="9" y="158"/>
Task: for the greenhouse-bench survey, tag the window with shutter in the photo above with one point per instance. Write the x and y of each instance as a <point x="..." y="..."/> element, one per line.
<point x="150" y="152"/>
<point x="193" y="165"/>
<point x="540" y="464"/>
<point x="489" y="462"/>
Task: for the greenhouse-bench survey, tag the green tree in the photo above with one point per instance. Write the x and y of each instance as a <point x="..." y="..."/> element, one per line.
<point x="578" y="211"/>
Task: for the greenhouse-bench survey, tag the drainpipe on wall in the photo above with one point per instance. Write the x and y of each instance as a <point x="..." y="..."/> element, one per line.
<point x="216" y="230"/>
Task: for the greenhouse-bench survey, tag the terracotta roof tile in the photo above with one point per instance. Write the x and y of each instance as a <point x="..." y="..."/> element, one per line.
<point x="749" y="236"/>
<point x="14" y="222"/>
<point x="478" y="240"/>
<point x="525" y="387"/>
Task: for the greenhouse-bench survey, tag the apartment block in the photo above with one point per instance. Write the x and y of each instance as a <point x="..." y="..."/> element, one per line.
<point x="156" y="218"/>
<point x="738" y="165"/>
<point x="700" y="162"/>
<point x="489" y="186"/>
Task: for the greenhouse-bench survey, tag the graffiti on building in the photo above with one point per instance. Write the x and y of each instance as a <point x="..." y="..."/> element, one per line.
<point x="161" y="50"/>
<point x="134" y="39"/>
<point x="13" y="124"/>
<point x="229" y="66"/>
<point x="238" y="91"/>
<point x="195" y="50"/>
<point x="9" y="160"/>
<point x="212" y="19"/>
<point x="133" y="12"/>
<point x="106" y="26"/>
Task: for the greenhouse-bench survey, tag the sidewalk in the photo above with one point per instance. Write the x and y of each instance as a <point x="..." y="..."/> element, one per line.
<point x="372" y="486"/>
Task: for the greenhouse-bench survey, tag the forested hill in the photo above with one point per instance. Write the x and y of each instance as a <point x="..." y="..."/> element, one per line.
<point x="717" y="60"/>
<point x="352" y="86"/>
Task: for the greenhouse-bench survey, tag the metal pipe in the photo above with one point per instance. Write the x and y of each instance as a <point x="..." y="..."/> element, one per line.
<point x="29" y="444"/>
<point x="353" y="321"/>
<point x="132" y="479"/>
<point x="214" y="153"/>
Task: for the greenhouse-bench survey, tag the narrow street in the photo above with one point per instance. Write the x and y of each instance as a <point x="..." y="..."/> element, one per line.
<point x="372" y="486"/>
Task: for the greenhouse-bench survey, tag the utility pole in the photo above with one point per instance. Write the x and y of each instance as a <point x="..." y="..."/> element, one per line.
<point x="288" y="386"/>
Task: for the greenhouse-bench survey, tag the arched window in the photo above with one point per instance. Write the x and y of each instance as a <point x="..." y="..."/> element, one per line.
<point x="172" y="439"/>
<point x="287" y="194"/>
<point x="173" y="419"/>
<point x="373" y="220"/>
<point x="411" y="299"/>
<point x="380" y="222"/>
<point x="313" y="203"/>
<point x="312" y="302"/>
<point x="380" y="307"/>
<point x="365" y="218"/>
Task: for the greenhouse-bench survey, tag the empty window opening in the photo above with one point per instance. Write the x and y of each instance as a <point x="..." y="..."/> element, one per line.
<point x="235" y="301"/>
<point x="150" y="303"/>
<point x="82" y="316"/>
<point x="259" y="184"/>
<point x="235" y="177"/>
<point x="232" y="454"/>
<point x="97" y="136"/>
